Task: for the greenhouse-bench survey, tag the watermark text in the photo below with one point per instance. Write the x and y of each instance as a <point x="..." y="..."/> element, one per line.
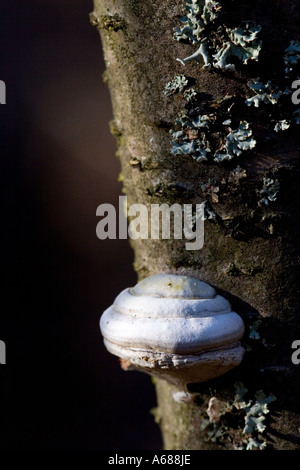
<point x="2" y="92"/>
<point x="158" y="221"/>
<point x="2" y="352"/>
<point x="296" y="354"/>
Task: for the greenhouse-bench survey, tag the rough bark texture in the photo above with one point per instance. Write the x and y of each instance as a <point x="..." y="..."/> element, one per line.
<point x="251" y="253"/>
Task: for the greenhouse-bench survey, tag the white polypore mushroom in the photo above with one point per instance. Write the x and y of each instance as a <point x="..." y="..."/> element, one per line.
<point x="174" y="327"/>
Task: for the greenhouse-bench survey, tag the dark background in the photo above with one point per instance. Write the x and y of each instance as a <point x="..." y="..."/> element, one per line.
<point x="60" y="388"/>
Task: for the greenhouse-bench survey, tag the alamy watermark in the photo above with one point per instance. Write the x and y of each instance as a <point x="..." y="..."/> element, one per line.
<point x="296" y="354"/>
<point x="296" y="94"/>
<point x="2" y="92"/>
<point x="2" y="352"/>
<point x="158" y="221"/>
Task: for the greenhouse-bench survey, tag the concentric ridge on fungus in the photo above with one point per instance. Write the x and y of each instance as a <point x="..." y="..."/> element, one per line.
<point x="175" y="327"/>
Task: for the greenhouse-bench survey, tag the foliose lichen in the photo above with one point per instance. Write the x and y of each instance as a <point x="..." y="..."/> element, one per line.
<point x="189" y="140"/>
<point x="176" y="85"/>
<point x="201" y="54"/>
<point x="221" y="415"/>
<point x="236" y="175"/>
<point x="236" y="142"/>
<point x="217" y="134"/>
<point x="269" y="191"/>
<point x="210" y="188"/>
<point x="291" y="57"/>
<point x="197" y="148"/>
<point x="255" y="410"/>
<point x="296" y="115"/>
<point x="209" y="214"/>
<point x="254" y="444"/>
<point x="241" y="42"/>
<point x="282" y="125"/>
<point x="198" y="14"/>
<point x="265" y="93"/>
<point x="193" y="140"/>
<point x="253" y="333"/>
<point x="190" y="94"/>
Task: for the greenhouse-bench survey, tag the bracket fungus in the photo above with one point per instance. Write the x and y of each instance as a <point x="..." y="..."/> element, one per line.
<point x="174" y="327"/>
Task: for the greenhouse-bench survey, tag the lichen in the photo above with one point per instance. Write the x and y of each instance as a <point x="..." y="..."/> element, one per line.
<point x="282" y="125"/>
<point x="198" y="122"/>
<point x="254" y="444"/>
<point x="192" y="139"/>
<point x="255" y="414"/>
<point x="240" y="42"/>
<point x="220" y="427"/>
<point x="189" y="141"/>
<point x="240" y="392"/>
<point x="176" y="85"/>
<point x="237" y="141"/>
<point x="269" y="191"/>
<point x="201" y="54"/>
<point x="256" y="411"/>
<point x="243" y="44"/>
<point x="197" y="148"/>
<point x="265" y="93"/>
<point x="198" y="14"/>
<point x="254" y="334"/>
<point x="190" y="94"/>
<point x="209" y="214"/>
<point x="296" y="115"/>
<point x="291" y="57"/>
<point x="210" y="188"/>
<point x="237" y="174"/>
<point x="214" y="431"/>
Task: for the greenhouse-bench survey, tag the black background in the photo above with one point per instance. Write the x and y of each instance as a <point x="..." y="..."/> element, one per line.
<point x="60" y="389"/>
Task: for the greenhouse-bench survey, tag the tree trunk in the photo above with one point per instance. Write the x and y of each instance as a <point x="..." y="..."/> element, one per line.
<point x="251" y="248"/>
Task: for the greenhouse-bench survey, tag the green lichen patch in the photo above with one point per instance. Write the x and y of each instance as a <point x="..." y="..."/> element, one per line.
<point x="291" y="57"/>
<point x="209" y="214"/>
<point x="240" y="43"/>
<point x="190" y="94"/>
<point x="265" y="93"/>
<point x="190" y="139"/>
<point x="269" y="191"/>
<point x="210" y="188"/>
<point x="296" y="115"/>
<point x="240" y="421"/>
<point x="236" y="142"/>
<point x="255" y="411"/>
<point x="282" y="125"/>
<point x="255" y="415"/>
<point x="254" y="444"/>
<point x="243" y="44"/>
<point x="176" y="85"/>
<point x="254" y="333"/>
<point x="236" y="175"/>
<point x="198" y="149"/>
<point x="198" y="14"/>
<point x="203" y="136"/>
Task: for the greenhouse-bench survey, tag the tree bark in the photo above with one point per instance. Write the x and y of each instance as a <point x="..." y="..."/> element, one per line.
<point x="251" y="251"/>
